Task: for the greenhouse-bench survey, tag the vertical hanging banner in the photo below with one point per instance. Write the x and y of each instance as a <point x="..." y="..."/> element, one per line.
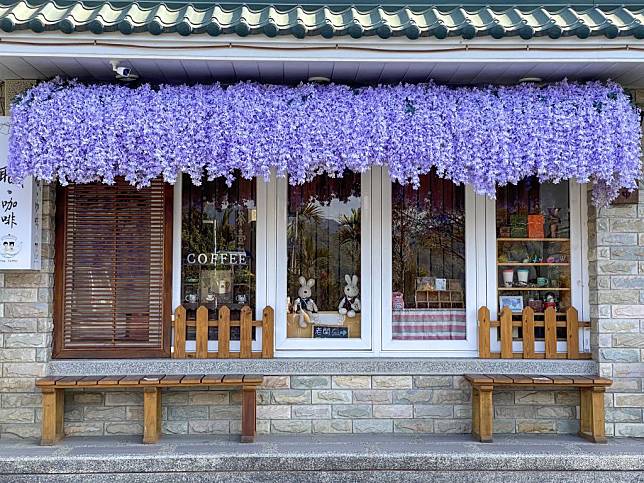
<point x="20" y="215"/>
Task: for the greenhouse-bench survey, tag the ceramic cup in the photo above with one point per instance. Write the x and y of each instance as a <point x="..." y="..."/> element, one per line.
<point x="522" y="276"/>
<point x="508" y="277"/>
<point x="542" y="281"/>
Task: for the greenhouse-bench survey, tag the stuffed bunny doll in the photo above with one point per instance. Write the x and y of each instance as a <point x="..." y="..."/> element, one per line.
<point x="304" y="305"/>
<point x="350" y="303"/>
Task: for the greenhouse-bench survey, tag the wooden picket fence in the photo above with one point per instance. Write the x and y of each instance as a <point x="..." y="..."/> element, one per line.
<point x="223" y="324"/>
<point x="502" y="329"/>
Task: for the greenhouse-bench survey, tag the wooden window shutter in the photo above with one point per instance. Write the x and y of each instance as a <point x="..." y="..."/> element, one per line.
<point x="113" y="275"/>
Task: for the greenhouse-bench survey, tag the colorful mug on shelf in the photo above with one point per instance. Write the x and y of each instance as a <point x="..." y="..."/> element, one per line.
<point x="542" y="282"/>
<point x="508" y="277"/>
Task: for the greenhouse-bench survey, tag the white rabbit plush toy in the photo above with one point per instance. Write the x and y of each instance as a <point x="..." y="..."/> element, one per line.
<point x="350" y="303"/>
<point x="304" y="305"/>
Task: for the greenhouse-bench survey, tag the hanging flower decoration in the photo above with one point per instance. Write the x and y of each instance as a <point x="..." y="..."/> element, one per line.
<point x="484" y="137"/>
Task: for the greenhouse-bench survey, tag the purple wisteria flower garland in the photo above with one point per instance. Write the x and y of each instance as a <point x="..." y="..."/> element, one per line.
<point x="480" y="136"/>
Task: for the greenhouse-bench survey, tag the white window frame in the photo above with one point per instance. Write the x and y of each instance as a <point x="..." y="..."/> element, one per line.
<point x="282" y="342"/>
<point x="474" y="252"/>
<point x="375" y="340"/>
<point x="261" y="261"/>
<point x="578" y="268"/>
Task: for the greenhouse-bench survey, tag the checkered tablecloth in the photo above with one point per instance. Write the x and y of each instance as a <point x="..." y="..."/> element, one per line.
<point x="428" y="324"/>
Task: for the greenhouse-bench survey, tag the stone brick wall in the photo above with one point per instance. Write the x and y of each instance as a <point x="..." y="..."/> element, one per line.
<point x="26" y="335"/>
<point x="335" y="403"/>
<point x="616" y="238"/>
<point x="327" y="404"/>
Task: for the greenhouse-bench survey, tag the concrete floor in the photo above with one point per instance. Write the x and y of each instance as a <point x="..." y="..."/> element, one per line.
<point x="336" y="458"/>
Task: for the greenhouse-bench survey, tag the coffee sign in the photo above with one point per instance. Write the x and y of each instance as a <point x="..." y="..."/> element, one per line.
<point x="217" y="258"/>
<point x="20" y="215"/>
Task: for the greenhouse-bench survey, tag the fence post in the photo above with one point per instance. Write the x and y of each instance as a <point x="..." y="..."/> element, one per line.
<point x="484" y="332"/>
<point x="572" y="333"/>
<point x="202" y="332"/>
<point x="245" y="333"/>
<point x="223" y="331"/>
<point x="506" y="333"/>
<point x="179" y="333"/>
<point x="267" y="333"/>
<point x="527" y="320"/>
<point x="551" y="332"/>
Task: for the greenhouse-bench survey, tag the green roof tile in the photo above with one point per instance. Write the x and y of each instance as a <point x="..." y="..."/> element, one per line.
<point x="327" y="21"/>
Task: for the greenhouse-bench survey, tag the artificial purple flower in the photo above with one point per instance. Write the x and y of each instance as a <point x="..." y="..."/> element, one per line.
<point x="484" y="137"/>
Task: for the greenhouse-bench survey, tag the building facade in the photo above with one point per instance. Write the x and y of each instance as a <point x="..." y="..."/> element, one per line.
<point x="421" y="260"/>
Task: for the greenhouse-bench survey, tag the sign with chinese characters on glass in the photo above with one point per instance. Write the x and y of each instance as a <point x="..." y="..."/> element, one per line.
<point x="20" y="215"/>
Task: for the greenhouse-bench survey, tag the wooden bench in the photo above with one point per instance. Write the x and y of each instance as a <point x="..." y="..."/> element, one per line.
<point x="592" y="400"/>
<point x="53" y="400"/>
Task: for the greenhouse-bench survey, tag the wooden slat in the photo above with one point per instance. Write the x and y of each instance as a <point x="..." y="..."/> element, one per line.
<point x="223" y="347"/>
<point x="192" y="379"/>
<point x="479" y="378"/>
<point x="110" y="380"/>
<point x="68" y="380"/>
<point x="506" y="333"/>
<point x="500" y="378"/>
<point x="520" y="378"/>
<point x="561" y="380"/>
<point x="179" y="333"/>
<point x="47" y="381"/>
<point x="245" y="333"/>
<point x="527" y="319"/>
<point x="572" y="333"/>
<point x="135" y="379"/>
<point x="152" y="380"/>
<point x="484" y="332"/>
<point x="541" y="380"/>
<point x="89" y="381"/>
<point x="212" y="379"/>
<point x="551" y="333"/>
<point x="233" y="379"/>
<point x="268" y="317"/>
<point x="202" y="332"/>
<point x="582" y="380"/>
<point x="171" y="380"/>
<point x="252" y="379"/>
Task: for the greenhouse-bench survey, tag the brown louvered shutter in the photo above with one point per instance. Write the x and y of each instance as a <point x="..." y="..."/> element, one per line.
<point x="113" y="271"/>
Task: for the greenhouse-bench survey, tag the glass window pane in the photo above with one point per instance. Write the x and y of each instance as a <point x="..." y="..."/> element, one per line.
<point x="324" y="258"/>
<point x="218" y="247"/>
<point x="533" y="246"/>
<point x="428" y="264"/>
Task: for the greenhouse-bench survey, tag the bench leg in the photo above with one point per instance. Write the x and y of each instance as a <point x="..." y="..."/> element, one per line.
<point x="151" y="414"/>
<point x="249" y="415"/>
<point x="53" y="405"/>
<point x="592" y="422"/>
<point x="482" y="413"/>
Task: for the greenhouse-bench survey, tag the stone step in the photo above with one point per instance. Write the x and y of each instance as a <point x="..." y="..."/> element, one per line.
<point x="324" y="458"/>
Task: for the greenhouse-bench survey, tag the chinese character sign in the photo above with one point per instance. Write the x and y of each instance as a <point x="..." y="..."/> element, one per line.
<point x="20" y="215"/>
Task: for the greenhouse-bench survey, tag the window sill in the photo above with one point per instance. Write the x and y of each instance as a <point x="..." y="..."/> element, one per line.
<point x="331" y="366"/>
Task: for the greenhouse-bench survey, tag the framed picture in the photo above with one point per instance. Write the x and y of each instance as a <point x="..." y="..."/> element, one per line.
<point x="441" y="284"/>
<point x="514" y="302"/>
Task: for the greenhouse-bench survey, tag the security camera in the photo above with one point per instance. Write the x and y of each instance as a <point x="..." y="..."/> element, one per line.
<point x="123" y="73"/>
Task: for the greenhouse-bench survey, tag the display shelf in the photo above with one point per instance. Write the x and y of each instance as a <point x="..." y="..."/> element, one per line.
<point x="535" y="264"/>
<point x="526" y="239"/>
<point x="529" y="289"/>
